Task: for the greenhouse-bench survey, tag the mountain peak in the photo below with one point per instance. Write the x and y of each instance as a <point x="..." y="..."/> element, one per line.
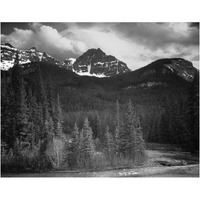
<point x="94" y="51"/>
<point x="96" y="62"/>
<point x="98" y="49"/>
<point x="178" y="66"/>
<point x="8" y="55"/>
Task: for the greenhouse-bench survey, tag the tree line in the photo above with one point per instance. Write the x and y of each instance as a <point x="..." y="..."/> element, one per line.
<point x="34" y="135"/>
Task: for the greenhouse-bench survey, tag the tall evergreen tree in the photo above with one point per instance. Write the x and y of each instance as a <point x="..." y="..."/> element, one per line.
<point x="117" y="127"/>
<point x="74" y="147"/>
<point x="49" y="94"/>
<point x="94" y="121"/>
<point x="22" y="115"/>
<point x="86" y="145"/>
<point x="58" y="118"/>
<point x="109" y="144"/>
<point x="132" y="142"/>
<point x="139" y="145"/>
<point x="40" y="93"/>
<point x="128" y="137"/>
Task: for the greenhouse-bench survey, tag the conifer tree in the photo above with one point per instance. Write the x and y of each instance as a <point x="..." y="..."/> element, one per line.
<point x="74" y="149"/>
<point x="132" y="142"/>
<point x="40" y="93"/>
<point x="117" y="127"/>
<point x="75" y="138"/>
<point x="22" y="115"/>
<point x="39" y="86"/>
<point x="58" y="118"/>
<point x="86" y="145"/>
<point x="94" y="121"/>
<point x="129" y="131"/>
<point x="139" y="145"/>
<point x="41" y="119"/>
<point x="49" y="94"/>
<point x="31" y="125"/>
<point x="109" y="144"/>
<point x="49" y="130"/>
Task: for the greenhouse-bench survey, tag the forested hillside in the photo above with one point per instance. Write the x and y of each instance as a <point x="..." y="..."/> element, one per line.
<point x="53" y="118"/>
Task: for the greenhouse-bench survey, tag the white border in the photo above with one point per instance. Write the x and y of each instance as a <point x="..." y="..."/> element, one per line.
<point x="99" y="11"/>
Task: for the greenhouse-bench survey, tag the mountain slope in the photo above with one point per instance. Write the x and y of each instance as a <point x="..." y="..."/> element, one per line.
<point x="8" y="55"/>
<point x="155" y="74"/>
<point x="172" y="71"/>
<point x="88" y="93"/>
<point x="95" y="61"/>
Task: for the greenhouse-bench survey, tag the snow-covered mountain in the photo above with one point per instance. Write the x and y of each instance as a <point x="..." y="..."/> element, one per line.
<point x="8" y="55"/>
<point x="96" y="62"/>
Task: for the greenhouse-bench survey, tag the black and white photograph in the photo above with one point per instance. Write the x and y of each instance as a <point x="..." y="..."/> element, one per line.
<point x="77" y="102"/>
<point x="99" y="100"/>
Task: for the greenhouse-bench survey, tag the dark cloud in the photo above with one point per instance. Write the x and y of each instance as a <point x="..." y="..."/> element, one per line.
<point x="156" y="35"/>
<point x="91" y="24"/>
<point x="8" y="27"/>
<point x="59" y="26"/>
<point x="194" y="24"/>
<point x="85" y="24"/>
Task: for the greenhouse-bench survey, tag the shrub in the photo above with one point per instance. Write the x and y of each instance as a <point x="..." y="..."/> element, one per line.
<point x="56" y="152"/>
<point x="99" y="161"/>
<point x="22" y="160"/>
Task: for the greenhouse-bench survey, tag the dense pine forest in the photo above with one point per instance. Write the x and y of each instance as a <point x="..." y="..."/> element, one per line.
<point x="49" y="121"/>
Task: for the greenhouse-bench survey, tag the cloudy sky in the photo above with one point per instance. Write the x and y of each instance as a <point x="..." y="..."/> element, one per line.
<point x="136" y="44"/>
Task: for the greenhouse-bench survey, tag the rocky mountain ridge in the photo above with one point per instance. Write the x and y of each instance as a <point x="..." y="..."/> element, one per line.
<point x="94" y="62"/>
<point x="8" y="55"/>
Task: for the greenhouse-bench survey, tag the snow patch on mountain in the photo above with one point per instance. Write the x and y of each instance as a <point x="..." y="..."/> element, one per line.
<point x="169" y="68"/>
<point x="8" y="47"/>
<point x="24" y="62"/>
<point x="94" y="61"/>
<point x="97" y="62"/>
<point x="72" y="60"/>
<point x="8" y="55"/>
<point x="81" y="73"/>
<point x="40" y="56"/>
<point x="182" y="68"/>
<point x="6" y="64"/>
<point x="89" y="68"/>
